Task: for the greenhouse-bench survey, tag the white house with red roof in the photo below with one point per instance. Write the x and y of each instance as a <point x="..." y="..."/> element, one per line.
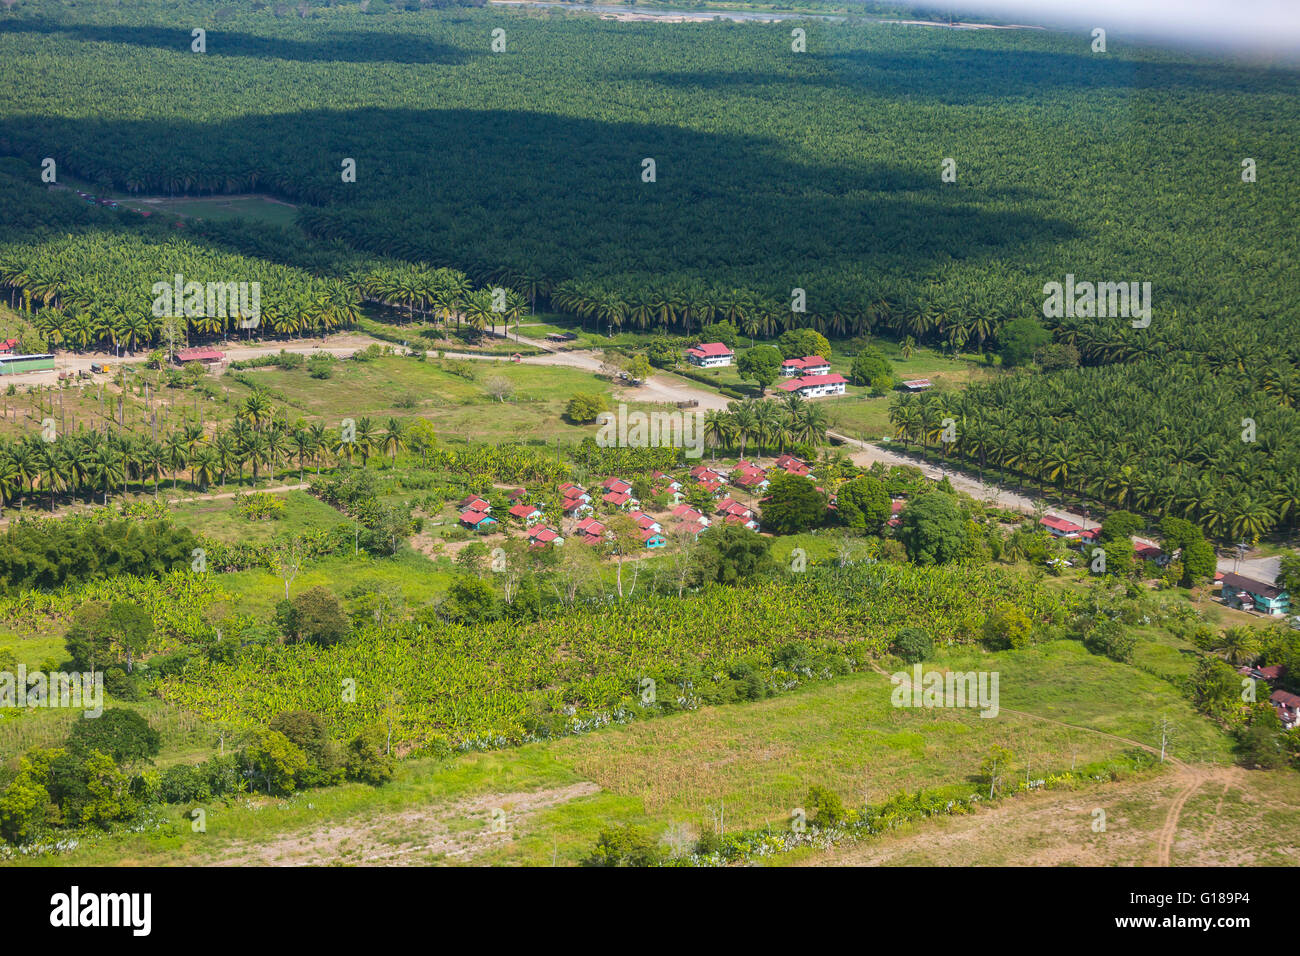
<point x="666" y="481"/>
<point x="750" y="477"/>
<point x="474" y="503"/>
<point x="645" y="522"/>
<point x="714" y="487"/>
<point x="8" y="346"/>
<point x="528" y="514"/>
<point x="794" y="466"/>
<point x="570" y="490"/>
<point x="576" y="507"/>
<point x="710" y="355"/>
<point x="728" y="506"/>
<point x="733" y="512"/>
<point x="808" y="365"/>
<point x="816" y="386"/>
<point x="616" y="484"/>
<point x="1059" y="527"/>
<point x="1288" y="708"/>
<point x="541" y="535"/>
<point x="620" y="499"/>
<point x="592" y="531"/>
<point x="690" y="515"/>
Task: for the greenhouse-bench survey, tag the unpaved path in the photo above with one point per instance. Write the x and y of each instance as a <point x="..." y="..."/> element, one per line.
<point x="446" y="833"/>
<point x="1056" y="827"/>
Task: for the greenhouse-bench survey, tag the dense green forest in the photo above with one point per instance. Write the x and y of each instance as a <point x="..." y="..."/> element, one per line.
<point x="774" y="170"/>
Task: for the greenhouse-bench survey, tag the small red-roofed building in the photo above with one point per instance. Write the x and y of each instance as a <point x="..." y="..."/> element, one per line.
<point x="204" y="356"/>
<point x="645" y="522"/>
<point x="478" y="521"/>
<point x="541" y="535"/>
<point x="619" y="499"/>
<point x="1288" y="708"/>
<point x="794" y="466"/>
<point x="688" y="514"/>
<point x="528" y="514"/>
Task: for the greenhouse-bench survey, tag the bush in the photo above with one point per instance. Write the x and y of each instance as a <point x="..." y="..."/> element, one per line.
<point x="826" y="805"/>
<point x="320" y="366"/>
<point x="913" y="645"/>
<point x="314" y="616"/>
<point x="624" y="846"/>
<point x="366" y="759"/>
<point x="274" y="762"/>
<point x="1008" y="627"/>
<point x="307" y="731"/>
<point x="583" y="408"/>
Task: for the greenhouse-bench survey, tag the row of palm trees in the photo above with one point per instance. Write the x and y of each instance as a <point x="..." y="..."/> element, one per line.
<point x="88" y="464"/>
<point x="685" y="309"/>
<point x="441" y="295"/>
<point x="769" y="423"/>
<point x="1233" y="495"/>
<point x="73" y="316"/>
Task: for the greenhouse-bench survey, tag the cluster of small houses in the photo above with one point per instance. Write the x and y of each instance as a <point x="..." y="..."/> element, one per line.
<point x="578" y="504"/>
<point x="1237" y="590"/>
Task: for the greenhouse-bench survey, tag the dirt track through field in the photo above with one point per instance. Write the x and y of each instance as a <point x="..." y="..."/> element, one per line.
<point x="443" y="833"/>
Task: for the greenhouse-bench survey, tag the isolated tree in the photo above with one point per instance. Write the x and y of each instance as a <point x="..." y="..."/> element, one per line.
<point x="863" y="503"/>
<point x="932" y="528"/>
<point x="760" y="365"/>
<point x="122" y="734"/>
<point x="996" y="764"/>
<point x="130" y="628"/>
<point x="793" y="504"/>
<point x="731" y="554"/>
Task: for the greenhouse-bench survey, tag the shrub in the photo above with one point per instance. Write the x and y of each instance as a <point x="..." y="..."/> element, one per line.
<point x="826" y="804"/>
<point x="624" y="846"/>
<point x="1008" y="627"/>
<point x="913" y="645"/>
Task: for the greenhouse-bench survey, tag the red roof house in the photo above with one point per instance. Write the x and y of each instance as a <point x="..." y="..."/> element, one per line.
<point x="793" y="466"/>
<point x="541" y="535"/>
<point x="526" y="513"/>
<point x="1060" y="527"/>
<point x="808" y="365"/>
<point x="709" y="355"/>
<point x="204" y="355"/>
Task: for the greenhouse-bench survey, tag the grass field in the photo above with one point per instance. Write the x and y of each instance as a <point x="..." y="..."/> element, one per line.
<point x="220" y="519"/>
<point x="755" y="760"/>
<point x="859" y="414"/>
<point x="252" y="207"/>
